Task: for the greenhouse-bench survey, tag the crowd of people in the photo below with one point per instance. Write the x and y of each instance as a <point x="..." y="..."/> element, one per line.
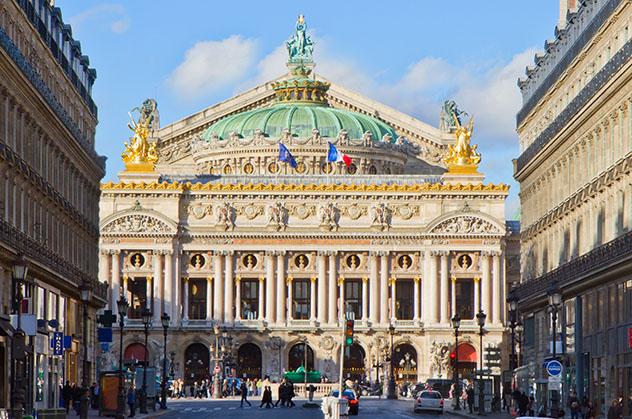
<point x="205" y="389"/>
<point x="71" y="396"/>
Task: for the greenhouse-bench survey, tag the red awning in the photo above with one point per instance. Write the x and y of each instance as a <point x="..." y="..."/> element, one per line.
<point x="467" y="353"/>
<point x="135" y="352"/>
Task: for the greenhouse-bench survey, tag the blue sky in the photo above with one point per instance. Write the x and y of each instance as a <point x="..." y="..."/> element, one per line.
<point x="408" y="54"/>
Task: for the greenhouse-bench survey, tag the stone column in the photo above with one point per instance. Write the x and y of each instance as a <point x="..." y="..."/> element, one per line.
<point x="393" y="283"/>
<point x="229" y="301"/>
<point x="104" y="275"/>
<point x="322" y="287"/>
<point x="209" y="298"/>
<point x="443" y="290"/>
<point x="217" y="286"/>
<point x="281" y="303"/>
<point x="185" y="315"/>
<point x="384" y="287"/>
<point x="496" y="280"/>
<point x="416" y="281"/>
<point x="290" y="308"/>
<point x="116" y="278"/>
<point x="262" y="280"/>
<point x="432" y="300"/>
<point x="374" y="307"/>
<point x="159" y="300"/>
<point x="312" y="299"/>
<point x="238" y="298"/>
<point x="453" y="296"/>
<point x="270" y="300"/>
<point x="477" y="300"/>
<point x="365" y="298"/>
<point x="341" y="300"/>
<point x="176" y="306"/>
<point x="331" y="281"/>
<point x="170" y="303"/>
<point x="485" y="284"/>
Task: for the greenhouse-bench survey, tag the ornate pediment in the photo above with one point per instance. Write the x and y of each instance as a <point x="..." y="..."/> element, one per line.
<point x="465" y="224"/>
<point x="137" y="223"/>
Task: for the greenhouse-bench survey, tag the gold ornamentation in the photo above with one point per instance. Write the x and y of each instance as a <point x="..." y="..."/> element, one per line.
<point x="391" y="281"/>
<point x="417" y="280"/>
<point x="249" y="168"/>
<point x="341" y="281"/>
<point x="262" y="278"/>
<point x="139" y="154"/>
<point x="462" y="157"/>
<point x="313" y="279"/>
<point x="237" y="279"/>
<point x="289" y="280"/>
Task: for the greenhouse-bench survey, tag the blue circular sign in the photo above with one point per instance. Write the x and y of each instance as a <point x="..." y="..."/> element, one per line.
<point x="554" y="368"/>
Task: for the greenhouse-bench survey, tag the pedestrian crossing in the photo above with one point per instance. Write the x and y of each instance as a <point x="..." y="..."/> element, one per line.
<point x="208" y="409"/>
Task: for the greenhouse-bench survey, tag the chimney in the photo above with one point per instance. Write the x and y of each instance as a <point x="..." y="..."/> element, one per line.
<point x="565" y="7"/>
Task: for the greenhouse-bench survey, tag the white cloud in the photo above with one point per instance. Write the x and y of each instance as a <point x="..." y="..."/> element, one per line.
<point x="212" y="65"/>
<point x="115" y="15"/>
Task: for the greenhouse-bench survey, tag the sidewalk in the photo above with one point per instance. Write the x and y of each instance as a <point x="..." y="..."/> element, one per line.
<point x="95" y="414"/>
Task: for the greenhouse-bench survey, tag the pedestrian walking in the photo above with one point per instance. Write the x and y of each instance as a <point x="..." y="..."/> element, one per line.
<point x="266" y="399"/>
<point x="244" y="394"/>
<point x="131" y="401"/>
<point x="615" y="411"/>
<point x="470" y="398"/>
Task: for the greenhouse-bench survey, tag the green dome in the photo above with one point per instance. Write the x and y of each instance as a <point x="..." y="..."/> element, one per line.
<point x="300" y="118"/>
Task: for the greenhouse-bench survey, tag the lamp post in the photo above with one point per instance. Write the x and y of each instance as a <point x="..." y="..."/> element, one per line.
<point x="480" y="319"/>
<point x="147" y="314"/>
<point x="512" y="302"/>
<point x="304" y="340"/>
<point x="86" y="295"/>
<point x="216" y="371"/>
<point x="18" y="352"/>
<point x="123" y="306"/>
<point x="456" y="323"/>
<point x="555" y="300"/>
<point x="163" y="387"/>
<point x="391" y="381"/>
<point x="519" y="330"/>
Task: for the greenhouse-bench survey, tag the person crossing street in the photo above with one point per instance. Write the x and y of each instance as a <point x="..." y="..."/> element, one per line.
<point x="244" y="394"/>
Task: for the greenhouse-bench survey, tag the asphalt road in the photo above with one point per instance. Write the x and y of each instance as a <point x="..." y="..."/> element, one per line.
<point x="369" y="408"/>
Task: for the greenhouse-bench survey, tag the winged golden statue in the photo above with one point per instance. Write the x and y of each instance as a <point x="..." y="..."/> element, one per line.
<point x="462" y="157"/>
<point x="140" y="154"/>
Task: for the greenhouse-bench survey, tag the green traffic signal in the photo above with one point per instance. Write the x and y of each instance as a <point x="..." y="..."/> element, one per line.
<point x="349" y="341"/>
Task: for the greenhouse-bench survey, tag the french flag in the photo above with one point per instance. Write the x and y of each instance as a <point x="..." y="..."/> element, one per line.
<point x="334" y="156"/>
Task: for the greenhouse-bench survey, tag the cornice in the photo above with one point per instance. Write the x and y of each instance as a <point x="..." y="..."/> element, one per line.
<point x="500" y="188"/>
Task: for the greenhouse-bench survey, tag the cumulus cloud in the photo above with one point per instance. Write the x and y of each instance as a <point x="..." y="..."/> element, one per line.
<point x="114" y="15"/>
<point x="213" y="65"/>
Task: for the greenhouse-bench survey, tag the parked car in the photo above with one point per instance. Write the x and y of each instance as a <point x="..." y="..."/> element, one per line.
<point x="352" y="400"/>
<point x="428" y="400"/>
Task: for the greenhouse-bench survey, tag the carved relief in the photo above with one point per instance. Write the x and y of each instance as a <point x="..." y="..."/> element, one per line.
<point x="302" y="211"/>
<point x="465" y="225"/>
<point x="137" y="223"/>
<point x="328" y="215"/>
<point x="327" y="343"/>
<point x="200" y="210"/>
<point x="251" y="211"/>
<point x="439" y="352"/>
<point x="406" y="211"/>
<point x="354" y="211"/>
<point x="381" y="216"/>
<point x="225" y="218"/>
<point x="277" y="216"/>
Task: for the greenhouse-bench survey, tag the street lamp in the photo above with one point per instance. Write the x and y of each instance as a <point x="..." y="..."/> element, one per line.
<point x="86" y="295"/>
<point x="519" y="332"/>
<point x="456" y="323"/>
<point x="123" y="306"/>
<point x="391" y="381"/>
<point x="165" y="319"/>
<point x="147" y="314"/>
<point x="480" y="319"/>
<point x="304" y="340"/>
<point x="216" y="377"/>
<point x="512" y="302"/>
<point x="18" y="352"/>
<point x="555" y="300"/>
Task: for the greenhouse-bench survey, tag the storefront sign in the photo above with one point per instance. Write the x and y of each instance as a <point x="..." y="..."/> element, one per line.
<point x="104" y="334"/>
<point x="57" y="343"/>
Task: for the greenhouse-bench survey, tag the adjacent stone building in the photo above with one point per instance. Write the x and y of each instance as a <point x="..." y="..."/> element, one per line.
<point x="49" y="192"/>
<point x="209" y="225"/>
<point x="574" y="171"/>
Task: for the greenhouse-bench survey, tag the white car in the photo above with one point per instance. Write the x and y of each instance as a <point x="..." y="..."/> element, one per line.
<point x="428" y="400"/>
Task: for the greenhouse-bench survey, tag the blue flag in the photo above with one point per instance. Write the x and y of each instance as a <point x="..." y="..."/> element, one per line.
<point x="286" y="156"/>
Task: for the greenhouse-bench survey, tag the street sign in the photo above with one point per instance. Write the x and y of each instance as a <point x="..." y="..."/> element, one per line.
<point x="104" y="334"/>
<point x="57" y="343"/>
<point x="554" y="368"/>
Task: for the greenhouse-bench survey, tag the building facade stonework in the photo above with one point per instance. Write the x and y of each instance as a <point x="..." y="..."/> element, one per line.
<point x="576" y="196"/>
<point x="219" y="231"/>
<point x="49" y="189"/>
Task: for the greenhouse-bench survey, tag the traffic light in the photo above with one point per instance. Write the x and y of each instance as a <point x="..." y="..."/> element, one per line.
<point x="349" y="333"/>
<point x="452" y="358"/>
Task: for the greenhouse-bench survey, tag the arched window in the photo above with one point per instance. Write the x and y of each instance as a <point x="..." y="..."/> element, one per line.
<point x="405" y="362"/>
<point x="353" y="368"/>
<point x="296" y="357"/>
<point x="196" y="363"/>
<point x="249" y="361"/>
<point x="134" y="353"/>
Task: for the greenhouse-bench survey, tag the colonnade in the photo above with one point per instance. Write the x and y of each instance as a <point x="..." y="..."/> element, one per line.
<point x="434" y="288"/>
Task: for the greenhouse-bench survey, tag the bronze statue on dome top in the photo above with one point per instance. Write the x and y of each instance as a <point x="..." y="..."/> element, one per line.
<point x="300" y="46"/>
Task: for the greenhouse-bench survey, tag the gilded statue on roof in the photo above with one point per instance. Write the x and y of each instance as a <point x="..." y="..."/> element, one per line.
<point x="140" y="154"/>
<point x="300" y="46"/>
<point x="462" y="157"/>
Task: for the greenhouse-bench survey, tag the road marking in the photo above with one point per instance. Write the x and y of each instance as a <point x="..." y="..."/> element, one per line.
<point x="218" y="408"/>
